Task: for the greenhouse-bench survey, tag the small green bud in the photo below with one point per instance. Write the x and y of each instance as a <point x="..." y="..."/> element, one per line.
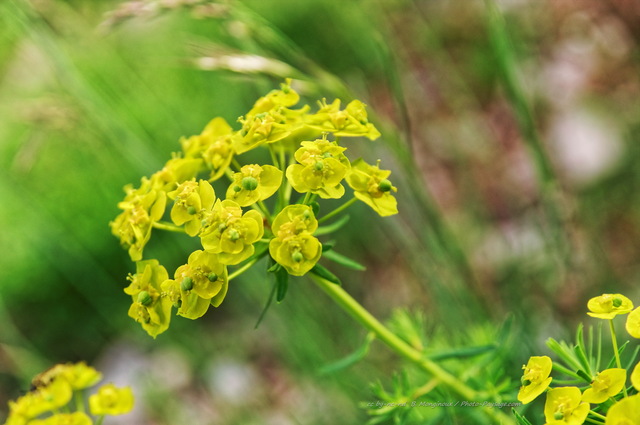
<point x="318" y="166"/>
<point x="186" y="284"/>
<point x="327" y="155"/>
<point x="204" y="223"/>
<point x="384" y="185"/>
<point x="558" y="415"/>
<point x="144" y="298"/>
<point x="525" y="382"/>
<point x="297" y="256"/>
<point x="249" y="183"/>
<point x="234" y="235"/>
<point x="222" y="227"/>
<point x="192" y="210"/>
<point x="212" y="277"/>
<point x="237" y="188"/>
<point x="617" y="302"/>
<point x="306" y="214"/>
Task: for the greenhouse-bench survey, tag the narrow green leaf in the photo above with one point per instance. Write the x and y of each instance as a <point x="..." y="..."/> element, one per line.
<point x="330" y="228"/>
<point x="328" y="246"/>
<point x="282" y="283"/>
<point x="580" y="351"/>
<point x="343" y="260"/>
<point x="521" y="419"/>
<point x="462" y="352"/>
<point x="632" y="360"/>
<point x="582" y="374"/>
<point x="266" y="306"/>
<point x="351" y="359"/>
<point x="324" y="273"/>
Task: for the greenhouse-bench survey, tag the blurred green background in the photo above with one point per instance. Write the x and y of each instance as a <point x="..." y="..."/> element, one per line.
<point x="513" y="137"/>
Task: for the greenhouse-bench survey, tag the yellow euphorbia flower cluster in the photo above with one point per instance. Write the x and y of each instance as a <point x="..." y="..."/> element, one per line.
<point x="53" y="393"/>
<point x="570" y="405"/>
<point x="259" y="214"/>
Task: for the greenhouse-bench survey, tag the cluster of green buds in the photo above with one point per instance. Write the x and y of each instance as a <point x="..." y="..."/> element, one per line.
<point x="267" y="209"/>
<point x="57" y="399"/>
<point x="591" y="394"/>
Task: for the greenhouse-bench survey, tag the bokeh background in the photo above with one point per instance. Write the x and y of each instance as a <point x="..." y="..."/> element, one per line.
<point x="513" y="133"/>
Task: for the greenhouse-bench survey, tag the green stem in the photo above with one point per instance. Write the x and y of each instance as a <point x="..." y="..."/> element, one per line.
<point x="243" y="268"/>
<point x="307" y="198"/>
<point x="99" y="420"/>
<point x="351" y="306"/>
<point x="79" y="401"/>
<point x="274" y="159"/>
<point x="338" y="210"/>
<point x="614" y="342"/>
<point x="236" y="164"/>
<point x="265" y="210"/>
<point x="167" y="226"/>
<point x="597" y="415"/>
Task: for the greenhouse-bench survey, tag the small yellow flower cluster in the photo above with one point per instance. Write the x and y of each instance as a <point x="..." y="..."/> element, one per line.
<point x="305" y="157"/>
<point x="570" y="405"/>
<point x="53" y="390"/>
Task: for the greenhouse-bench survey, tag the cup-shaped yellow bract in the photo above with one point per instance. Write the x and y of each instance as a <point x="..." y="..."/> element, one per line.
<point x="608" y="306"/>
<point x="606" y="384"/>
<point x="371" y="186"/>
<point x="633" y="323"/>
<point x="110" y="400"/>
<point x="635" y="377"/>
<point x="149" y="307"/>
<point x="174" y="172"/>
<point x="229" y="233"/>
<point x="624" y="412"/>
<point x="293" y="246"/>
<point x="212" y="147"/>
<point x="267" y="127"/>
<point x="535" y="379"/>
<point x="322" y="166"/>
<point x="141" y="208"/>
<point x="191" y="202"/>
<point x="564" y="406"/>
<point x="350" y="122"/>
<point x="254" y="183"/>
<point x="75" y="418"/>
<point x="203" y="274"/>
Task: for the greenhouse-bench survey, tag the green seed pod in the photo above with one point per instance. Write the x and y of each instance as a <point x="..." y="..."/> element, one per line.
<point x="249" y="183"/>
<point x="212" y="277"/>
<point x="318" y="166"/>
<point x="144" y="298"/>
<point x="237" y="188"/>
<point x="297" y="256"/>
<point x="234" y="235"/>
<point x="186" y="284"/>
<point x="525" y="382"/>
<point x="192" y="210"/>
<point x="306" y="214"/>
<point x="384" y="185"/>
<point x="222" y="227"/>
<point x="558" y="415"/>
<point x="617" y="302"/>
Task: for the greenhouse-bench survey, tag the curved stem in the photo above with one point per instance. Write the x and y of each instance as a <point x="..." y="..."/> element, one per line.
<point x="167" y="226"/>
<point x="243" y="268"/>
<point x="358" y="312"/>
<point x="338" y="210"/>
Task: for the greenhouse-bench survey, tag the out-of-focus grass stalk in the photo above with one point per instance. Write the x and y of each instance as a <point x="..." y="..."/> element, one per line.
<point x="506" y="65"/>
<point x="362" y="315"/>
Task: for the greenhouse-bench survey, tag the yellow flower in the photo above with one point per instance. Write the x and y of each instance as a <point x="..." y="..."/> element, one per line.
<point x="271" y="126"/>
<point x="229" y="233"/>
<point x="607" y="306"/>
<point x="633" y="323"/>
<point x="624" y="412"/>
<point x="322" y="166"/>
<point x="563" y="406"/>
<point x="175" y="171"/>
<point x="191" y="202"/>
<point x="78" y="375"/>
<point x="203" y="274"/>
<point x="294" y="247"/>
<point x="149" y="307"/>
<point x="371" y="186"/>
<point x="350" y="122"/>
<point x="76" y="418"/>
<point x="606" y="384"/>
<point x="213" y="145"/>
<point x="110" y="400"/>
<point x="142" y="207"/>
<point x="52" y="396"/>
<point x="535" y="378"/>
<point x="635" y="377"/>
<point x="254" y="183"/>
